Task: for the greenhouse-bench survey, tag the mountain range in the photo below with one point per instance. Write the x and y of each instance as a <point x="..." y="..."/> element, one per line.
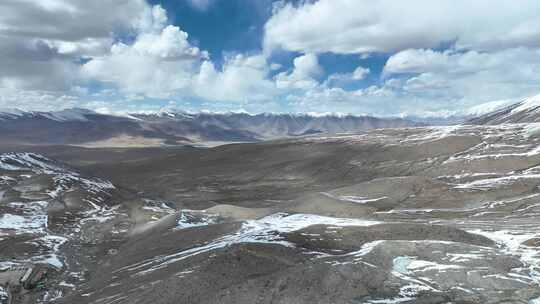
<point x="436" y="214"/>
<point x="88" y="128"/>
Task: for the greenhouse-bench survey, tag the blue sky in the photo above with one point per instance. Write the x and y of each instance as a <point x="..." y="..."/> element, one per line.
<point x="377" y="57"/>
<point x="224" y="26"/>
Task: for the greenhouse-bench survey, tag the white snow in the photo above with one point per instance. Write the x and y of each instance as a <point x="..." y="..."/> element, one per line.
<point x="464" y="257"/>
<point x="27" y="161"/>
<point x="512" y="243"/>
<point x="194" y="219"/>
<point x="30" y="207"/>
<point x="24" y="224"/>
<point x="3" y="295"/>
<point x="264" y="230"/>
<point x="62" y="176"/>
<point x="366" y="248"/>
<point x="361" y="199"/>
<point x="74" y="114"/>
<point x="6" y="114"/>
<point x="489" y="183"/>
<point x="5" y="265"/>
<point x="390" y="301"/>
<point x="534" y="301"/>
<point x="407" y="292"/>
<point x="531" y="130"/>
<point x="511" y="240"/>
<point x="489" y="107"/>
<point x="431" y="134"/>
<point x="533" y="151"/>
<point x="527" y="104"/>
<point x="400" y="264"/>
<point x="421" y="265"/>
<point x="353" y="199"/>
<point x="50" y="259"/>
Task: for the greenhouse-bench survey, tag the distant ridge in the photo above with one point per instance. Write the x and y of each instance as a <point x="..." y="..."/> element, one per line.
<point x="174" y="127"/>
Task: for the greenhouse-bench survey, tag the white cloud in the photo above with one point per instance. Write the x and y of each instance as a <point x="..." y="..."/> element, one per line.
<point x="42" y="41"/>
<point x="360" y="26"/>
<point x="161" y="63"/>
<point x="472" y="76"/>
<point x="49" y="60"/>
<point x="36" y="100"/>
<point x="242" y="79"/>
<point x="157" y="64"/>
<point x="306" y="70"/>
<point x="426" y="82"/>
<point x="200" y="4"/>
<point x="360" y="73"/>
<point x="343" y="79"/>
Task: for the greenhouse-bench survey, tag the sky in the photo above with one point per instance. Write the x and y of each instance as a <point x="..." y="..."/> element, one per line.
<point x="374" y="57"/>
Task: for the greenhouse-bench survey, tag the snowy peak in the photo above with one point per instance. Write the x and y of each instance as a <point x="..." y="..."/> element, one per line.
<point x="489" y="107"/>
<point x="525" y="111"/>
<point x="74" y="114"/>
<point x="528" y="104"/>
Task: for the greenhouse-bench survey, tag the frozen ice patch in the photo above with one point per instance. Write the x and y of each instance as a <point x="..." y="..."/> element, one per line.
<point x="534" y="301"/>
<point x="24" y="224"/>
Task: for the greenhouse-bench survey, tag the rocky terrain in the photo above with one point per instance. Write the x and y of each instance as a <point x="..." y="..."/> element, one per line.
<point x="403" y="215"/>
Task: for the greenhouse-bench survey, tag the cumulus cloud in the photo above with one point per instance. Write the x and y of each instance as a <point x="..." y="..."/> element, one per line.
<point x="40" y="41"/>
<point x="443" y="55"/>
<point x="342" y="79"/>
<point x="360" y="73"/>
<point x="36" y="100"/>
<point x="472" y="76"/>
<point x="158" y="63"/>
<point x="363" y="26"/>
<point x="242" y="79"/>
<point x="437" y="83"/>
<point x="484" y="57"/>
<point x="162" y="63"/>
<point x="306" y="70"/>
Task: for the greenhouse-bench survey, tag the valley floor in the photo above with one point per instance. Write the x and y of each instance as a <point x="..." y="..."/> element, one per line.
<point x="410" y="215"/>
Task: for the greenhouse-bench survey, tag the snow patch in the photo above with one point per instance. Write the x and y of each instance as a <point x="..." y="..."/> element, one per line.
<point x="4" y="296"/>
<point x="527" y="104"/>
<point x="191" y="219"/>
<point x="24" y="224"/>
<point x="361" y="199"/>
<point x="264" y="230"/>
<point x="534" y="301"/>
<point x="489" y="107"/>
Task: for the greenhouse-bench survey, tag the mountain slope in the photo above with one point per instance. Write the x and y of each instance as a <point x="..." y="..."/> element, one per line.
<point x="525" y="111"/>
<point x="411" y="215"/>
<point x="417" y="215"/>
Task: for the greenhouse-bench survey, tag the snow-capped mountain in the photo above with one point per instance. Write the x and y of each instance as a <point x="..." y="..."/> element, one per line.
<point x="72" y="126"/>
<point x="524" y="111"/>
<point x="246" y="127"/>
<point x="86" y="127"/>
<point x="75" y="114"/>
